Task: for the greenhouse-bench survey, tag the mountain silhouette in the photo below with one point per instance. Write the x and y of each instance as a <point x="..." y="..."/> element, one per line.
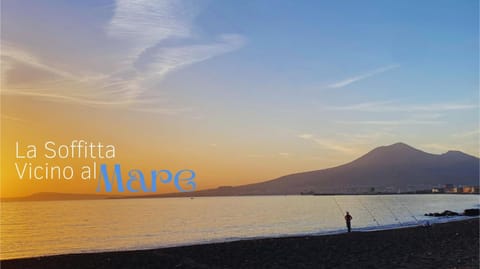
<point x="397" y="167"/>
<point x="393" y="168"/>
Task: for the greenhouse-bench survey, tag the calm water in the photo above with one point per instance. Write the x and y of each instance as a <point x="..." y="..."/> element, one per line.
<point x="43" y="228"/>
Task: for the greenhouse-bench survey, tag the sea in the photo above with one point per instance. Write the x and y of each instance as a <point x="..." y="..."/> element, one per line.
<point x="31" y="229"/>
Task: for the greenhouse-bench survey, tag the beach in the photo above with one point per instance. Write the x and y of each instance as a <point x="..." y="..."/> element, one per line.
<point x="447" y="245"/>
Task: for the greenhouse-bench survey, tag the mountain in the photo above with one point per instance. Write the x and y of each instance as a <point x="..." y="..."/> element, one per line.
<point x="397" y="167"/>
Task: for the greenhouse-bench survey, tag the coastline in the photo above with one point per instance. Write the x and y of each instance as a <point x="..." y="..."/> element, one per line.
<point x="444" y="245"/>
<point x="53" y="196"/>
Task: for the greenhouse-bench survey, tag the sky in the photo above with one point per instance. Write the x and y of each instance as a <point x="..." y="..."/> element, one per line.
<point x="238" y="91"/>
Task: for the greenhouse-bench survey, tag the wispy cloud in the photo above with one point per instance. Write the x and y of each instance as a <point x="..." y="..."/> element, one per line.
<point x="327" y="143"/>
<point x="305" y="136"/>
<point x="393" y="122"/>
<point x="162" y="60"/>
<point x="353" y="79"/>
<point x="11" y="56"/>
<point x="472" y="133"/>
<point x="158" y="37"/>
<point x="163" y="110"/>
<point x="8" y="117"/>
<point x="145" y="25"/>
<point x="437" y="147"/>
<point x="392" y="107"/>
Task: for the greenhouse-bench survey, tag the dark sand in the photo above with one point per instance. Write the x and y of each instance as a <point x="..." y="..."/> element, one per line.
<point x="450" y="245"/>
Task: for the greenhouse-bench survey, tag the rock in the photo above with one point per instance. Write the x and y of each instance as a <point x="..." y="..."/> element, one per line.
<point x="446" y="213"/>
<point x="471" y="212"/>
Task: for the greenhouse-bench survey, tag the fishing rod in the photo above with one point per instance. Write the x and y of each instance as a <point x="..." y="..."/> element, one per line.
<point x="369" y="212"/>
<point x="410" y="212"/>
<point x="391" y="211"/>
<point x="338" y="205"/>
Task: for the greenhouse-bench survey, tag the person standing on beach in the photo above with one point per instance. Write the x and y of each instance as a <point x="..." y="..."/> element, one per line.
<point x="348" y="220"/>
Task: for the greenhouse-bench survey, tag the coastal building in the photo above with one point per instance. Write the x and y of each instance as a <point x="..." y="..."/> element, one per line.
<point x="468" y="189"/>
<point x="450" y="188"/>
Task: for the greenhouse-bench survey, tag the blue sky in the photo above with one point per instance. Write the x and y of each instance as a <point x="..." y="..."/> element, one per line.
<point x="296" y="84"/>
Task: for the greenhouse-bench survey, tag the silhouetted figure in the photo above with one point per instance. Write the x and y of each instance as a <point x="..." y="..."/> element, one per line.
<point x="348" y="220"/>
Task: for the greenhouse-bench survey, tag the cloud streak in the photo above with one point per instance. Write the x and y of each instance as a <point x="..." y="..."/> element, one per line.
<point x="11" y="56"/>
<point x="7" y="117"/>
<point x="354" y="79"/>
<point x="143" y="23"/>
<point x="473" y="133"/>
<point x="155" y="38"/>
<point x="392" y="107"/>
<point x="394" y="122"/>
<point x="146" y="25"/>
<point x="327" y="143"/>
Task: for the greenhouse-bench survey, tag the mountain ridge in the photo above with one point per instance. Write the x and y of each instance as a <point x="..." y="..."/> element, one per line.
<point x="419" y="170"/>
<point x="392" y="168"/>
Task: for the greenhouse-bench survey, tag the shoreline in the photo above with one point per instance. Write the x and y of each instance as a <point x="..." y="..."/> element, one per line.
<point x="363" y="229"/>
<point x="84" y="197"/>
<point x="444" y="245"/>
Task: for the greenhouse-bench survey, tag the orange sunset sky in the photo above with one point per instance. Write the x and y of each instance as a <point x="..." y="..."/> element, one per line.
<point x="245" y="96"/>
